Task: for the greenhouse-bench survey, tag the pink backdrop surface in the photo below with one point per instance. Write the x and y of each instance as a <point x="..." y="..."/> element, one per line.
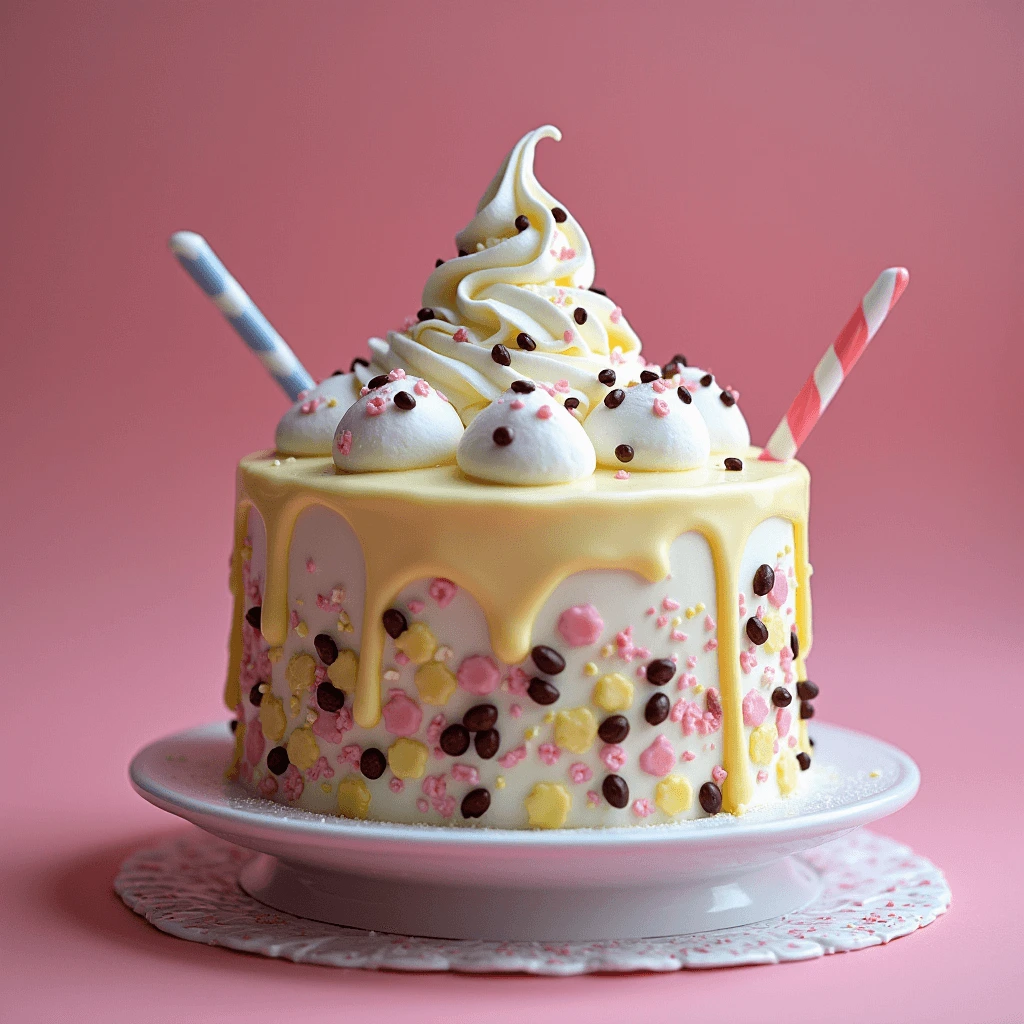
<point x="743" y="171"/>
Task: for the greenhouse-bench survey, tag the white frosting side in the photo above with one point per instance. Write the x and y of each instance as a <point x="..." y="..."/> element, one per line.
<point x="664" y="432"/>
<point x="377" y="435"/>
<point x="726" y="425"/>
<point x="511" y="282"/>
<point x="548" y="445"/>
<point x="307" y="428"/>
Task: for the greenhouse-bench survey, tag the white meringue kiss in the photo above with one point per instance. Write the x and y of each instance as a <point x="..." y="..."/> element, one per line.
<point x="377" y="435"/>
<point x="548" y="444"/>
<point x="307" y="428"/>
<point x="726" y="425"/>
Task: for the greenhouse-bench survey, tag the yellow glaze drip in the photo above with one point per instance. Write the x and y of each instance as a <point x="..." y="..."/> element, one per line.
<point x="510" y="547"/>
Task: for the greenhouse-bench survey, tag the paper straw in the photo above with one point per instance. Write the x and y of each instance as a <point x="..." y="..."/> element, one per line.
<point x="820" y="388"/>
<point x="203" y="266"/>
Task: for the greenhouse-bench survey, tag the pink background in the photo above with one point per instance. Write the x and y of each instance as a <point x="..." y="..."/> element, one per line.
<point x="743" y="171"/>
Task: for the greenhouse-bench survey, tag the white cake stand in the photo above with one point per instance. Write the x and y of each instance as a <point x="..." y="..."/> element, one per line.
<point x="563" y="885"/>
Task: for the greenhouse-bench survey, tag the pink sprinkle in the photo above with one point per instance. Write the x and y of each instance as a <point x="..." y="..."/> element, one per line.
<point x="442" y="591"/>
<point x="461" y="335"/>
<point x="780" y="590"/>
<point x="616" y="315"/>
<point x="402" y="658"/>
<point x="311" y="406"/>
<point x="710" y="646"/>
<point x="660" y="408"/>
<point x="762" y="776"/>
<point x="465" y="773"/>
<point x="659" y="386"/>
<point x="442" y="397"/>
<point x="792" y="741"/>
<point x="661" y="622"/>
<point x="669" y="605"/>
<point x="517" y="404"/>
<point x="375" y="406"/>
<point x="621" y="475"/>
<point x="396" y="785"/>
<point x="549" y="753"/>
<point x="678" y="634"/>
<point x="783" y="720"/>
<point x="320" y="674"/>
<point x="641" y="671"/>
<point x="415" y="607"/>
<point x="580" y="625"/>
<point x="345" y="444"/>
<point x="592" y="798"/>
<point x="436" y="727"/>
<point x="350" y="754"/>
<point x="513" y="757"/>
<point x="295" y="619"/>
<point x="302" y="394"/>
<point x="396" y="374"/>
<point x="434" y="786"/>
<point x="515" y="711"/>
<point x="545" y="412"/>
<point x="364" y="391"/>
<point x="718" y="773"/>
<point x="517" y="680"/>
<point x="321" y="768"/>
<point x="566" y="254"/>
<point x="422" y="388"/>
<point x="709" y="623"/>
<point x="567" y="337"/>
<point x="310" y="565"/>
<point x="580" y="773"/>
<point x="755" y="710"/>
<point x="642" y="808"/>
<point x="651" y="610"/>
<point x="562" y="386"/>
<point x="687" y="755"/>
<point x="445" y="807"/>
<point x="422" y="806"/>
<point x="613" y="756"/>
<point x="747" y="661"/>
<point x="686" y="680"/>
<point x="658" y="758"/>
<point x="775" y="747"/>
<point x="478" y="674"/>
<point x="268" y="785"/>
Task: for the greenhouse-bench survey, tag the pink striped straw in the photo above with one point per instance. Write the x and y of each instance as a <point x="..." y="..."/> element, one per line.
<point x="820" y="388"/>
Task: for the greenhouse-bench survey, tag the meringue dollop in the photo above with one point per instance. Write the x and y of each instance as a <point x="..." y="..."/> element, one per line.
<point x="726" y="425"/>
<point x="307" y="428"/>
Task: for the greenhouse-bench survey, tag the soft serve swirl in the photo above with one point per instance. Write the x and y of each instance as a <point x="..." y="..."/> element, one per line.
<point x="531" y="281"/>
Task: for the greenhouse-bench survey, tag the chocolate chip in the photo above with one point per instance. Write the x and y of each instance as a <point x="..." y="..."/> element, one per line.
<point x="804" y="760"/>
<point x="426" y="313"/>
<point x="487" y="743"/>
<point x="379" y="381"/>
<point x="679" y="359"/>
<point x="733" y="464"/>
<point x="571" y="403"/>
<point x="559" y="214"/>
<point x="614" y="729"/>
<point x="480" y="717"/>
<point x="646" y="376"/>
<point x="277" y="760"/>
<point x="395" y="623"/>
<point x="523" y="387"/>
<point x="475" y="803"/>
<point x="525" y="342"/>
<point x="579" y="314"/>
<point x="599" y="291"/>
<point x="454" y="740"/>
<point x="781" y="697"/>
<point x="607" y="377"/>
<point x="615" y="790"/>
<point x="615" y="398"/>
<point x="326" y="648"/>
<point x="656" y="709"/>
<point x="807" y="690"/>
<point x="405" y="401"/>
<point x="462" y="252"/>
<point x="726" y="399"/>
<point x="624" y="452"/>
<point x="256" y="695"/>
<point x="548" y="660"/>
<point x="661" y="671"/>
<point x="503" y="436"/>
<point x="254" y="616"/>
<point x="329" y="697"/>
<point x="501" y="356"/>
<point x="338" y="373"/>
<point x="764" y="580"/>
<point x="522" y="222"/>
<point x="707" y="380"/>
<point x="233" y="725"/>
<point x="358" y="361"/>
<point x="757" y="631"/>
<point x="684" y="396"/>
<point x="439" y="263"/>
<point x="542" y="692"/>
<point x="794" y="643"/>
<point x="710" y="797"/>
<point x="806" y="709"/>
<point x="810" y="739"/>
<point x="372" y="763"/>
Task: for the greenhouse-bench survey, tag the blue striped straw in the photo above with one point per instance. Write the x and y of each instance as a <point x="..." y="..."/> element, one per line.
<point x="203" y="266"/>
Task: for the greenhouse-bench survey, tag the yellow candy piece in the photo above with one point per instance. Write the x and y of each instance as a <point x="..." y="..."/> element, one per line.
<point x="300" y="672"/>
<point x="342" y="673"/>
<point x="673" y="794"/>
<point x="699" y="608"/>
<point x="344" y="623"/>
<point x="549" y="718"/>
<point x="690" y="612"/>
<point x="531" y="733"/>
<point x="246" y="554"/>
<point x="302" y="629"/>
<point x="272" y="717"/>
<point x="762" y="743"/>
<point x="786" y="771"/>
<point x="677" y="621"/>
<point x="613" y="692"/>
<point x="236" y="754"/>
<point x="294" y="705"/>
<point x="590" y="669"/>
<point x="435" y="683"/>
<point x="499" y="782"/>
<point x="575" y="730"/>
<point x="548" y="805"/>
<point x="407" y="758"/>
<point x="353" y="798"/>
<point x="325" y="787"/>
<point x="777" y="635"/>
<point x="275" y="654"/>
<point x="417" y="643"/>
<point x="302" y="748"/>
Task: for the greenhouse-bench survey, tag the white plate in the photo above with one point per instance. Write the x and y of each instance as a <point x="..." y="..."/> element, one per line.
<point x="566" y="884"/>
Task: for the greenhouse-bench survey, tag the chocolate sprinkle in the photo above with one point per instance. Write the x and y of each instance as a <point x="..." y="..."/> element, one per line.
<point x="559" y="214"/>
<point x="710" y="797"/>
<point x="395" y="623"/>
<point x="794" y="643"/>
<point x="614" y="729"/>
<point x="525" y="342"/>
<point x="733" y="464"/>
<point x="487" y="743"/>
<point x="234" y="725"/>
<point x="480" y="717"/>
<point x="523" y="387"/>
<point x="571" y="403"/>
<point x="503" y="436"/>
<point x="277" y="760"/>
<point x="615" y="398"/>
<point x="475" y="803"/>
<point x="405" y="401"/>
<point x="599" y="291"/>
<point x="646" y="376"/>
<point x="542" y="692"/>
<point x="757" y="631"/>
<point x="781" y="697"/>
<point x="462" y="252"/>
<point x="806" y="709"/>
<point x="810" y="739"/>
<point x="684" y="396"/>
<point x="548" y="660"/>
<point x="804" y="760"/>
<point x="326" y="648"/>
<point x="707" y="380"/>
<point x="680" y="359"/>
<point x="454" y="740"/>
<point x="615" y="790"/>
<point x="807" y="690"/>
<point x="500" y="355"/>
<point x="579" y="314"/>
<point x="256" y="695"/>
<point x="726" y="399"/>
<point x="254" y="616"/>
<point x="372" y="763"/>
<point x="358" y="361"/>
<point x="607" y="377"/>
<point x="426" y="313"/>
<point x="624" y="452"/>
<point x="439" y="263"/>
<point x="660" y="671"/>
<point x="657" y="709"/>
<point x="764" y="580"/>
<point x="522" y="222"/>
<point x="379" y="381"/>
<point x="329" y="698"/>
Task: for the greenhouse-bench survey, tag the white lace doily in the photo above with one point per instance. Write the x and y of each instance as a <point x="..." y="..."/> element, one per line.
<point x="875" y="890"/>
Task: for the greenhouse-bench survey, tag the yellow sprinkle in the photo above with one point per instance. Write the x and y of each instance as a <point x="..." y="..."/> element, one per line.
<point x="499" y="782"/>
<point x="344" y="623"/>
<point x="246" y="554"/>
<point x="786" y="772"/>
<point x="788" y="549"/>
<point x="762" y="740"/>
<point x="325" y="786"/>
<point x="549" y="718"/>
<point x="331" y="403"/>
<point x="299" y="601"/>
<point x="294" y="704"/>
<point x="875" y="773"/>
<point x="531" y="733"/>
<point x="302" y="629"/>
<point x="691" y="612"/>
<point x="697" y="687"/>
<point x="608" y="650"/>
<point x="677" y="621"/>
<point x="700" y="608"/>
<point x="275" y="654"/>
<point x="590" y="669"/>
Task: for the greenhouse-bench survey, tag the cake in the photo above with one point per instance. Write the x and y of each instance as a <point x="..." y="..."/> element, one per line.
<point x="506" y="573"/>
